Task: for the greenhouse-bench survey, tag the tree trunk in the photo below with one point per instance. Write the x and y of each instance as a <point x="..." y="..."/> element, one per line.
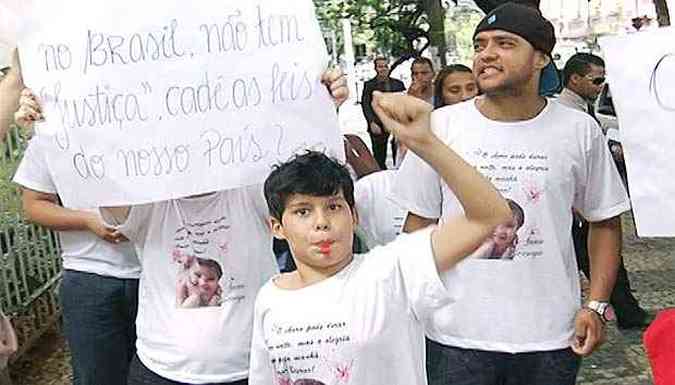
<point x="436" y="14"/>
<point x="662" y="14"/>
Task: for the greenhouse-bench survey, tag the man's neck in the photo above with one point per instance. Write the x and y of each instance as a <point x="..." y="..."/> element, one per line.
<point x="577" y="94"/>
<point x="510" y="108"/>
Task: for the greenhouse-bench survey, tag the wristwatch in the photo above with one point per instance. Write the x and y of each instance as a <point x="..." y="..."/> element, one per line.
<point x="603" y="309"/>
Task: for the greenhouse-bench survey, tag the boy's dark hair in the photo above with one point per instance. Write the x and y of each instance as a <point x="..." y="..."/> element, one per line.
<point x="440" y="79"/>
<point x="517" y="212"/>
<point x="211" y="264"/>
<point x="580" y="64"/>
<point x="423" y="60"/>
<point x="312" y="173"/>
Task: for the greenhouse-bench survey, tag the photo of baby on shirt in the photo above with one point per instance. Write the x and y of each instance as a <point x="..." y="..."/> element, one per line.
<point x="197" y="281"/>
<point x="504" y="240"/>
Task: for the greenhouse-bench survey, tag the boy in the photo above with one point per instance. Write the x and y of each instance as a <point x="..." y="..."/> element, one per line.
<point x="344" y="318"/>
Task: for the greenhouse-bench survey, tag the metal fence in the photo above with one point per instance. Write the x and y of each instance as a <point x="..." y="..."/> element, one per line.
<point x="30" y="267"/>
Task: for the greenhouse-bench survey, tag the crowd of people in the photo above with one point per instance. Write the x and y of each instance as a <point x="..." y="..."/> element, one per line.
<point x="456" y="267"/>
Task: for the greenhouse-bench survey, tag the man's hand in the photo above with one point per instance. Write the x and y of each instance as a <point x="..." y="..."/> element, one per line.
<point x="336" y="82"/>
<point x="375" y="128"/>
<point x="589" y="332"/>
<point x="406" y="117"/>
<point x="109" y="234"/>
<point x="29" y="110"/>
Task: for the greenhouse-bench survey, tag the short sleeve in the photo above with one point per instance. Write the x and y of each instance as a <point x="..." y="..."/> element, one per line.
<point x="417" y="187"/>
<point x="365" y="201"/>
<point x="419" y="277"/>
<point x="33" y="171"/>
<point x="261" y="371"/>
<point x="600" y="193"/>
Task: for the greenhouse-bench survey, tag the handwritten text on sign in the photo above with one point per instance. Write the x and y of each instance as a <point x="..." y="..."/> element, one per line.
<point x="154" y="100"/>
<point x="643" y="89"/>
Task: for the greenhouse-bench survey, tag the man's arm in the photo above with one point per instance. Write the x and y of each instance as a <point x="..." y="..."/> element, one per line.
<point x="10" y="91"/>
<point x="604" y="252"/>
<point x="44" y="209"/>
<point x="484" y="208"/>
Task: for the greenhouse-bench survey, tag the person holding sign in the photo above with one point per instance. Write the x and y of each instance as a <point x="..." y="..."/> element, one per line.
<point x="99" y="288"/>
<point x="548" y="159"/>
<point x="340" y="317"/>
<point x="204" y="258"/>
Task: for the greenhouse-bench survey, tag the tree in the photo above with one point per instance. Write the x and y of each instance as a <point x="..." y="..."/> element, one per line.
<point x="405" y="28"/>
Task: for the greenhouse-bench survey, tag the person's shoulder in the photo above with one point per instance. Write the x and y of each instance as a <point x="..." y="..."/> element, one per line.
<point x="397" y="81"/>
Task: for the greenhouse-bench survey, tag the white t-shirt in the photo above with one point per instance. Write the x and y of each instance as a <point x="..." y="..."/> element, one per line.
<point x="379" y="216"/>
<point x="522" y="292"/>
<point x="360" y="326"/>
<point x="81" y="250"/>
<point x="204" y="259"/>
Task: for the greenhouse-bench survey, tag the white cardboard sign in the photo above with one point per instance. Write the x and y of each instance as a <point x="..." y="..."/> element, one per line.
<point x="641" y="73"/>
<point x="151" y="100"/>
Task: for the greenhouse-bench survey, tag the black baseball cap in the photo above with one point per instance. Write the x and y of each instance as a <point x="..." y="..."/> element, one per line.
<point x="527" y="22"/>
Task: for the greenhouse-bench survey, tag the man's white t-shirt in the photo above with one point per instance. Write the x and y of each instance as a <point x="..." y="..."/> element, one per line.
<point x="524" y="297"/>
<point x="379" y="216"/>
<point x="81" y="250"/>
<point x="188" y="330"/>
<point x="360" y="326"/>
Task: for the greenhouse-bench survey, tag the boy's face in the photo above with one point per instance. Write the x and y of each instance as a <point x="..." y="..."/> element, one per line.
<point x="319" y="231"/>
<point x="505" y="234"/>
<point x="207" y="279"/>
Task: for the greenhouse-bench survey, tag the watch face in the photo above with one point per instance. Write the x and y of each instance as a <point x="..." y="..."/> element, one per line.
<point x="609" y="314"/>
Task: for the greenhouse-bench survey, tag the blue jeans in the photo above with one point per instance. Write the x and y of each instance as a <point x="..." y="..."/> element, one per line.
<point x="99" y="316"/>
<point x="140" y="375"/>
<point x="447" y="365"/>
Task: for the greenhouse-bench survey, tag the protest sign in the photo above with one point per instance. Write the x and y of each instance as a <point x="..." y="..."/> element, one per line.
<point x="641" y="74"/>
<point x="152" y="100"/>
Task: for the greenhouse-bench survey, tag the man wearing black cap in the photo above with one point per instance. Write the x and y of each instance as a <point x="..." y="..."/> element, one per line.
<point x="517" y="317"/>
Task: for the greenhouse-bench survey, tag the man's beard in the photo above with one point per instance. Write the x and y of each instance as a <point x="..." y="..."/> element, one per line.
<point x="513" y="86"/>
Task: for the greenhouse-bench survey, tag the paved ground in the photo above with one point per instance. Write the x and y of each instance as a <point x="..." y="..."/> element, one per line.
<point x="621" y="361"/>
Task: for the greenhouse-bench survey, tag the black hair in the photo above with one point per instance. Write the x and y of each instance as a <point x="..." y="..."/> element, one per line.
<point x="580" y="64"/>
<point x="423" y="60"/>
<point x="312" y="173"/>
<point x="210" y="263"/>
<point x="440" y="79"/>
<point x="517" y="212"/>
<point x="380" y="58"/>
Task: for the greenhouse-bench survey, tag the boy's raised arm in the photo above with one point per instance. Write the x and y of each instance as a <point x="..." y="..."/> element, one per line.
<point x="408" y="119"/>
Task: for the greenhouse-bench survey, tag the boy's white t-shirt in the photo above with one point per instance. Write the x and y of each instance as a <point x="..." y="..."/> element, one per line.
<point x="360" y="326"/>
<point x="81" y="251"/>
<point x="379" y="216"/>
<point x="207" y="340"/>
<point x="547" y="165"/>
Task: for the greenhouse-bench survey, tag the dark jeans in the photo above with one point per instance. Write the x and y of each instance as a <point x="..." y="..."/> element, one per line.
<point x="99" y="315"/>
<point x="625" y="304"/>
<point x="140" y="375"/>
<point x="380" y="149"/>
<point x="447" y="365"/>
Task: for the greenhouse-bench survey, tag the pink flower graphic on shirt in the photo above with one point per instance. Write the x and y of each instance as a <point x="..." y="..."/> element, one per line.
<point x="284" y="381"/>
<point x="176" y="254"/>
<point x="344" y="372"/>
<point x="532" y="192"/>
